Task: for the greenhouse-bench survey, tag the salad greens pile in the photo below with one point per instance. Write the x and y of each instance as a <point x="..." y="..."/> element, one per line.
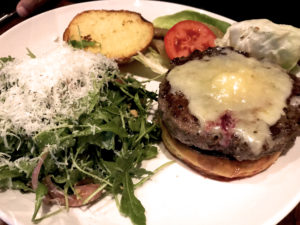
<point x="105" y="147"/>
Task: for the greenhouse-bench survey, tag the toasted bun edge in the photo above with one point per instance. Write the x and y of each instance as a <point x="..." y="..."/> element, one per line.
<point x="220" y="168"/>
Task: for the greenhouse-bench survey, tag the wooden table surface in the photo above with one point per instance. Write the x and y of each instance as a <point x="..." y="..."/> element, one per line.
<point x="293" y="218"/>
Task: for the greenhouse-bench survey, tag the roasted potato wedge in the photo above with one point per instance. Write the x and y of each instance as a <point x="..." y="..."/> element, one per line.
<point x="118" y="34"/>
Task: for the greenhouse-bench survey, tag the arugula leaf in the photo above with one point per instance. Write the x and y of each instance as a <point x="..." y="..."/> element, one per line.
<point x="7" y="172"/>
<point x="40" y="192"/>
<point x="26" y="166"/>
<point x="150" y="152"/>
<point x="6" y="59"/>
<point x="19" y="185"/>
<point x="83" y="44"/>
<point x="30" y="53"/>
<point x="130" y="205"/>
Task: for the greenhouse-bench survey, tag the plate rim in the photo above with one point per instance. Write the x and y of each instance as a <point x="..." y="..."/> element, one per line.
<point x="288" y="207"/>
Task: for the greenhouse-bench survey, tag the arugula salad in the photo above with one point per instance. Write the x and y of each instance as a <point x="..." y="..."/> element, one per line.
<point x="75" y="134"/>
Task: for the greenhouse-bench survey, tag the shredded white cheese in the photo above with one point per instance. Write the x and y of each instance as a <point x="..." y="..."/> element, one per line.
<point x="34" y="92"/>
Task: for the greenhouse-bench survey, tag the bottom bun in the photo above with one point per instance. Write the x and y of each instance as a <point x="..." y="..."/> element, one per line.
<point x="215" y="166"/>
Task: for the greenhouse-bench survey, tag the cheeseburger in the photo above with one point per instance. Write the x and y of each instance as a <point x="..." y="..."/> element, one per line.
<point x="228" y="115"/>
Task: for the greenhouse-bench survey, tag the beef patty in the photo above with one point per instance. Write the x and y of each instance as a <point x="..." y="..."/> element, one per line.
<point x="185" y="127"/>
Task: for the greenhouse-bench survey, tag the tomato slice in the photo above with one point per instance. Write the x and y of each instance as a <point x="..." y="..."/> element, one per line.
<point x="187" y="36"/>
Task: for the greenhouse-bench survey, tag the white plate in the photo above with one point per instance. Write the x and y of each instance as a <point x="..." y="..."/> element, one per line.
<point x="177" y="195"/>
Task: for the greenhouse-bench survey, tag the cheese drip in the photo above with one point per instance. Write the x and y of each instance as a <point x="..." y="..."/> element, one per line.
<point x="254" y="92"/>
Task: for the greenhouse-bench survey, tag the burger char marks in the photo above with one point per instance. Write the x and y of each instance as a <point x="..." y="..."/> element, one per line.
<point x="210" y="52"/>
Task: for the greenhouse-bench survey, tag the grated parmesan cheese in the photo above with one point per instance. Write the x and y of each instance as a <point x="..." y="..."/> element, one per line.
<point x="34" y="92"/>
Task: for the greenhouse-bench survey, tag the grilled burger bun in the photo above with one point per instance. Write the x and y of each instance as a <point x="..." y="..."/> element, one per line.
<point x="117" y="34"/>
<point x="228" y="115"/>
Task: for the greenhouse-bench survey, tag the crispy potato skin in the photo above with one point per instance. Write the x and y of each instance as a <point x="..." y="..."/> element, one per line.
<point x="120" y="33"/>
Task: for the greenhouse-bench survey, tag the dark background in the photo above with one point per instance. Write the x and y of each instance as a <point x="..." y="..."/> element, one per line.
<point x="285" y="12"/>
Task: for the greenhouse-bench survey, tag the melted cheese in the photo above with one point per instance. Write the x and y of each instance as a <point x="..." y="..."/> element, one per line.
<point x="254" y="92"/>
<point x="36" y="92"/>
